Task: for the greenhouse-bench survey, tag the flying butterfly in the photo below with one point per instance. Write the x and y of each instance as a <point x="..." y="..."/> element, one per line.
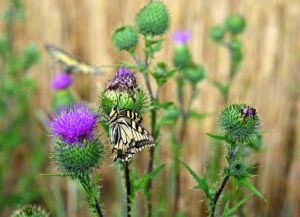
<point x="71" y="63"/>
<point x="126" y="134"/>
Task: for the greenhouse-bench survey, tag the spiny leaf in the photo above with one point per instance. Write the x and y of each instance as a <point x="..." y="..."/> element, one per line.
<point x="217" y="137"/>
<point x="251" y="187"/>
<point x="147" y="177"/>
<point x="199" y="116"/>
<point x="202" y="182"/>
<point x="230" y="211"/>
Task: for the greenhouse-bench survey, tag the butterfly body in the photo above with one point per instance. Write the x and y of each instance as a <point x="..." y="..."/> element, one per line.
<point x="71" y="63"/>
<point x="126" y="134"/>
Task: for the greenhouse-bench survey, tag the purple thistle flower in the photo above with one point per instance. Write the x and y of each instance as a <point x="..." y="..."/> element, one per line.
<point x="181" y="37"/>
<point x="73" y="124"/>
<point x="61" y="81"/>
<point x="124" y="80"/>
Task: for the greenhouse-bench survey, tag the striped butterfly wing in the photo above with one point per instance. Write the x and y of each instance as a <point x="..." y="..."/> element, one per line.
<point x="131" y="115"/>
<point x="128" y="137"/>
<point x="70" y="63"/>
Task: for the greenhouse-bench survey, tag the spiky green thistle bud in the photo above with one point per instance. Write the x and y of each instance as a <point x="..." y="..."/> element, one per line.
<point x="238" y="169"/>
<point x="30" y="211"/>
<point x="77" y="160"/>
<point x="153" y="19"/>
<point x="122" y="91"/>
<point x="235" y="23"/>
<point x="217" y="33"/>
<point x="182" y="56"/>
<point x="194" y="73"/>
<point x="125" y="38"/>
<point x="123" y="100"/>
<point x="239" y="122"/>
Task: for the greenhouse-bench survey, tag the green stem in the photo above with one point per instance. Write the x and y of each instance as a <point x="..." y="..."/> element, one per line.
<point x="128" y="188"/>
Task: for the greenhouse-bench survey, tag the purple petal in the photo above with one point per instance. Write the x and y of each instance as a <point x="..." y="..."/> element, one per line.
<point x="181" y="37"/>
<point x="61" y="81"/>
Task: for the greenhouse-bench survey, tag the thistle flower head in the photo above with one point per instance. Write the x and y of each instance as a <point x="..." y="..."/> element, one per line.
<point x="75" y="160"/>
<point x="181" y="37"/>
<point x="29" y="211"/>
<point x="124" y="80"/>
<point x="61" y="81"/>
<point x="73" y="124"/>
<point x="239" y="122"/>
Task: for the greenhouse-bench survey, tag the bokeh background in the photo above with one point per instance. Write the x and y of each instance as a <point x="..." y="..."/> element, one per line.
<point x="269" y="80"/>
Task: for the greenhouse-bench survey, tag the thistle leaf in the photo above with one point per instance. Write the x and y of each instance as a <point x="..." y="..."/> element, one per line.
<point x="251" y="187"/>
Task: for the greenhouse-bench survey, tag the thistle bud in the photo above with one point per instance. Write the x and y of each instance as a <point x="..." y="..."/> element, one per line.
<point x="125" y="38"/>
<point x="182" y="56"/>
<point x="238" y="169"/>
<point x="153" y="19"/>
<point x="217" y="33"/>
<point x="122" y="90"/>
<point x="30" y="211"/>
<point x="235" y="24"/>
<point x="239" y="122"/>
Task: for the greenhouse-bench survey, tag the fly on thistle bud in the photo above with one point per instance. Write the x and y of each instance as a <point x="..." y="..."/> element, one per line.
<point x="125" y="38"/>
<point x="77" y="151"/>
<point x="122" y="91"/>
<point x="30" y="211"/>
<point x="181" y="56"/>
<point x="153" y="19"/>
<point x="240" y="122"/>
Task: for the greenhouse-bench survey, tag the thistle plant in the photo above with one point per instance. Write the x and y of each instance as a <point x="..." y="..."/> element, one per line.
<point x="151" y="22"/>
<point x="239" y="123"/>
<point x="77" y="151"/>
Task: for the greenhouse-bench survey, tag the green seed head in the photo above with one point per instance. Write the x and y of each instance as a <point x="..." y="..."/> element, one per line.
<point x="30" y="211"/>
<point x="153" y="19"/>
<point x="125" y="38"/>
<point x="235" y="24"/>
<point x="217" y="33"/>
<point x="238" y="169"/>
<point x="75" y="160"/>
<point x="239" y="122"/>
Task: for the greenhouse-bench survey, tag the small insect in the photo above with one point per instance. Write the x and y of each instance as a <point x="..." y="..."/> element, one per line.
<point x="70" y="63"/>
<point x="248" y="112"/>
<point x="126" y="134"/>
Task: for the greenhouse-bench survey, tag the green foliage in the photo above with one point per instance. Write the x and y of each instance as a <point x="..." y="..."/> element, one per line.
<point x="123" y="100"/>
<point x="162" y="74"/>
<point x="235" y="126"/>
<point x="77" y="160"/>
<point x="230" y="211"/>
<point x="235" y="24"/>
<point x="153" y="19"/>
<point x="125" y="38"/>
<point x="248" y="185"/>
<point x="30" y="211"/>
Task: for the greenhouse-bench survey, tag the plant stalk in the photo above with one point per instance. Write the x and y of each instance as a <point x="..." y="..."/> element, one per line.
<point x="128" y="188"/>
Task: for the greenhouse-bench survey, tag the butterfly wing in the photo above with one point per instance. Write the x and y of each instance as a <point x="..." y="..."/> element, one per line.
<point x="70" y="63"/>
<point x="128" y="137"/>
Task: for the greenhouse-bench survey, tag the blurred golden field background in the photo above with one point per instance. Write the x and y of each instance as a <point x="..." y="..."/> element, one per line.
<point x="269" y="80"/>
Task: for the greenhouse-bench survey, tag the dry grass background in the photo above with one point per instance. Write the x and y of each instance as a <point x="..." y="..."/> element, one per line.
<point x="269" y="80"/>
